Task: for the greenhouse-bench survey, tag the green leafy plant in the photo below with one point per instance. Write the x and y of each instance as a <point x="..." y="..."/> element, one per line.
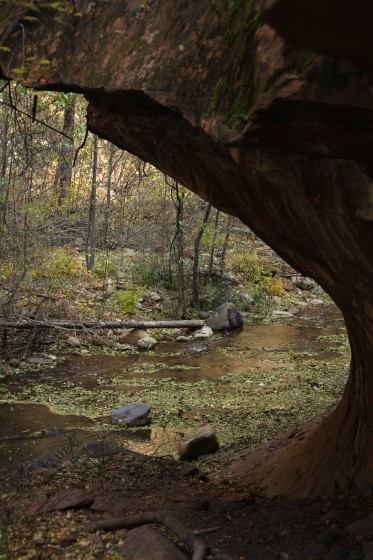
<point x="58" y="264"/>
<point x="105" y="266"/>
<point x="127" y="301"/>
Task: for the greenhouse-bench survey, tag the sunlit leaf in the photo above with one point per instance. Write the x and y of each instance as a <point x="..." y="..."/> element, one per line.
<point x="20" y="70"/>
<point x="30" y="18"/>
<point x="28" y="5"/>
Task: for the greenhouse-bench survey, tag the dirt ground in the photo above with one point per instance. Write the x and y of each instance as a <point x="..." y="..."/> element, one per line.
<point x="42" y="517"/>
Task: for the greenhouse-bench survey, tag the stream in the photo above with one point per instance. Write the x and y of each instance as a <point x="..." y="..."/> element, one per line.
<point x="255" y="380"/>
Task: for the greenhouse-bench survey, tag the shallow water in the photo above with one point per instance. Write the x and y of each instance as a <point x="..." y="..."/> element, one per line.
<point x="31" y="430"/>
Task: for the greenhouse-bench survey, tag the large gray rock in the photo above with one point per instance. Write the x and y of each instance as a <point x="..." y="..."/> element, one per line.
<point x="203" y="441"/>
<point x="225" y="317"/>
<point x="136" y="414"/>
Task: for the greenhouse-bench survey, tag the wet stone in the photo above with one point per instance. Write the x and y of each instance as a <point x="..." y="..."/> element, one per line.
<point x="136" y="414"/>
<point x="205" y="332"/>
<point x="146" y="343"/>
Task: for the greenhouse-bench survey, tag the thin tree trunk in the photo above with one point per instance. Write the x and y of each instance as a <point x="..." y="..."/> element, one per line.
<point x="110" y="169"/>
<point x="212" y="252"/>
<point x="91" y="235"/>
<point x="197" y="243"/>
<point x="4" y="157"/>
<point x="225" y="245"/>
<point x="62" y="178"/>
<point x="181" y="302"/>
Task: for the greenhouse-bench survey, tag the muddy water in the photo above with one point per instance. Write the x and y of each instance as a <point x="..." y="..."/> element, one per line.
<point x="30" y="430"/>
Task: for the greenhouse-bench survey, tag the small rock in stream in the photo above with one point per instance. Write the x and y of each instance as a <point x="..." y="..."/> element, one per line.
<point x="136" y="414"/>
<point x="205" y="332"/>
<point x="183" y="338"/>
<point x="146" y="343"/>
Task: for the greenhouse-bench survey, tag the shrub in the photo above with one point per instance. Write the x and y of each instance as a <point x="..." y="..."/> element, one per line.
<point x="147" y="274"/>
<point x="214" y="293"/>
<point x="57" y="265"/>
<point x="127" y="301"/>
<point x="273" y="286"/>
<point x="105" y="266"/>
<point x="247" y="264"/>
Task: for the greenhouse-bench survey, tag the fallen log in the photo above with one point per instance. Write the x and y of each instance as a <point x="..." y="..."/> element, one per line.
<point x="32" y="324"/>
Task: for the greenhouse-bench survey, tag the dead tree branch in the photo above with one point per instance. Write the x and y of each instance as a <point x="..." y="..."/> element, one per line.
<point x="198" y="547"/>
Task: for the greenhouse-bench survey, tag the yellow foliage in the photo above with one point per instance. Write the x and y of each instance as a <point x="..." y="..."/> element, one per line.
<point x="246" y="263"/>
<point x="59" y="263"/>
<point x="273" y="286"/>
<point x="6" y="270"/>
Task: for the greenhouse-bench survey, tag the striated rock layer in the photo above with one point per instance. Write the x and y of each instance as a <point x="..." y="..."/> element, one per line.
<point x="279" y="136"/>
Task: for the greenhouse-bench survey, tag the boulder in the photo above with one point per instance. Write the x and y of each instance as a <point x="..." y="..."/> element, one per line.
<point x="203" y="441"/>
<point x="132" y="337"/>
<point x="146" y="343"/>
<point x="136" y="414"/>
<point x="225" y="317"/>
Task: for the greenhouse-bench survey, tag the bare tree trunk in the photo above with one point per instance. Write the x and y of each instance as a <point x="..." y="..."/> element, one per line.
<point x="91" y="235"/>
<point x="181" y="299"/>
<point x="62" y="178"/>
<point x="110" y="169"/>
<point x="212" y="252"/>
<point x="4" y="157"/>
<point x="225" y="245"/>
<point x="197" y="243"/>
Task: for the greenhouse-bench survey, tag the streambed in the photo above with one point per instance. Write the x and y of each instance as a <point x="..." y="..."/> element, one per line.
<point x="249" y="384"/>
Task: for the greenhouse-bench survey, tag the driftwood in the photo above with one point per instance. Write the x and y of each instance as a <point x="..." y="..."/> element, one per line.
<point x="198" y="547"/>
<point x="71" y="325"/>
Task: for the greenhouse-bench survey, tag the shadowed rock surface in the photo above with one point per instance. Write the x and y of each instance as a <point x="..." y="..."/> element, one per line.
<point x="225" y="317"/>
<point x="274" y="134"/>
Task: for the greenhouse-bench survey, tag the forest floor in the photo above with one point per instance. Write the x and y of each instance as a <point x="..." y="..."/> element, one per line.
<point x="44" y="516"/>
